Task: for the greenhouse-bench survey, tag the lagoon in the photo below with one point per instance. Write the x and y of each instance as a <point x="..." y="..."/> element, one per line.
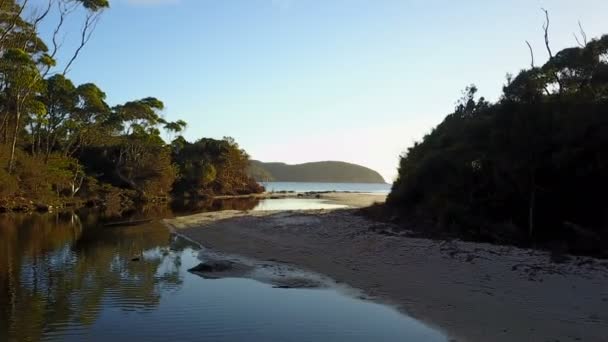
<point x="67" y="277"/>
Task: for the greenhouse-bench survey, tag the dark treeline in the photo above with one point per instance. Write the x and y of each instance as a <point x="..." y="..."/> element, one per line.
<point x="531" y="168"/>
<point x="62" y="143"/>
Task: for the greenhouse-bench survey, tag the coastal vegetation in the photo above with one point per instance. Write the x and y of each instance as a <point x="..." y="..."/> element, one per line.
<point x="61" y="143"/>
<point x="528" y="169"/>
<point x="322" y="172"/>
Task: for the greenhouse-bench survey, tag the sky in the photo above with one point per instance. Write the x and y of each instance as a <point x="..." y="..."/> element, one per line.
<point x="310" y="80"/>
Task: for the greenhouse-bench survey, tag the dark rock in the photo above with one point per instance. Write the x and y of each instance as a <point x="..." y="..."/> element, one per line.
<point x="212" y="266"/>
<point x="136" y="259"/>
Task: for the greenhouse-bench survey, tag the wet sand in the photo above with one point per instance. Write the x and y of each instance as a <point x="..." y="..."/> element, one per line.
<point x="471" y="291"/>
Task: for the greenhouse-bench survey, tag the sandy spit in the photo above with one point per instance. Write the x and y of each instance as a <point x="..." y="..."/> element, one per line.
<point x="472" y="292"/>
<point x="351" y="199"/>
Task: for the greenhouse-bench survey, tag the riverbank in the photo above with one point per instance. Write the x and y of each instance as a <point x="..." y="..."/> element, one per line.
<point x="472" y="291"/>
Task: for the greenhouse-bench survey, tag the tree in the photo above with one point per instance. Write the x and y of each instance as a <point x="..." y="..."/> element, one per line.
<point x="527" y="169"/>
<point x="57" y="137"/>
<point x="25" y="60"/>
<point x="211" y="166"/>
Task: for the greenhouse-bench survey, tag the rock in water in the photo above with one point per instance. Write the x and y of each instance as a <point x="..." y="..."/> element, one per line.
<point x="212" y="266"/>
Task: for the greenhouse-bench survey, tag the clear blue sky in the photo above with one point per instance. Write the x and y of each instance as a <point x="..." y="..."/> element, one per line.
<point x="309" y="80"/>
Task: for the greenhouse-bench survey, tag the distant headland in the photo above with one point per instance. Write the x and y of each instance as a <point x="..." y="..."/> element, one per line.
<point x="324" y="171"/>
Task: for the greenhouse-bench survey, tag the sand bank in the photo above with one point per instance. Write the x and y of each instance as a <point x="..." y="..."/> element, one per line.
<point x="471" y="291"/>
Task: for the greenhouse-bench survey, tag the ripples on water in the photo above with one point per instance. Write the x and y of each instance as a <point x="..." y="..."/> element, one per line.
<point x="69" y="278"/>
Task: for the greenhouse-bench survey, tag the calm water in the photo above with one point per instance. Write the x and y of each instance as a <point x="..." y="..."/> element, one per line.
<point x="67" y="277"/>
<point x="296" y="204"/>
<point x="307" y="187"/>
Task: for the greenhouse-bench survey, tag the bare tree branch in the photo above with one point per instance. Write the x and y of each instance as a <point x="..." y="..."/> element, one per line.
<point x="43" y="15"/>
<point x="62" y="14"/>
<point x="548" y="46"/>
<point x="64" y="9"/>
<point x="582" y="44"/>
<point x="531" y="54"/>
<point x="88" y="28"/>
<point x="578" y="41"/>
<point x="583" y="34"/>
<point x="546" y="29"/>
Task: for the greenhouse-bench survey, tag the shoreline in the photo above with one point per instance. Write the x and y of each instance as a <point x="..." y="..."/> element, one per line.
<point x="23" y="205"/>
<point x="349" y="198"/>
<point x="471" y="291"/>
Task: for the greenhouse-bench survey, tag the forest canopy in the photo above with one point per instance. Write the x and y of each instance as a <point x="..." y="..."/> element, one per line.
<point x="62" y="142"/>
<point x="529" y="168"/>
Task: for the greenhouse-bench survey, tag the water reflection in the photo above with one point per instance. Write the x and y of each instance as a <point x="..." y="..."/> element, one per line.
<point x="68" y="277"/>
<point x="186" y="207"/>
<point x="56" y="271"/>
<point x="175" y="208"/>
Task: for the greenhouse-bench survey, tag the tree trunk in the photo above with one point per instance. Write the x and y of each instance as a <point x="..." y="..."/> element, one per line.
<point x="11" y="163"/>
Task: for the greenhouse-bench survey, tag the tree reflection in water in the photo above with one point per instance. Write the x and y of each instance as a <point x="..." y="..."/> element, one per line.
<point x="60" y="270"/>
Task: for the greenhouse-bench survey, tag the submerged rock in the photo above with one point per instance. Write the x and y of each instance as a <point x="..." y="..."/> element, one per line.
<point x="212" y="266"/>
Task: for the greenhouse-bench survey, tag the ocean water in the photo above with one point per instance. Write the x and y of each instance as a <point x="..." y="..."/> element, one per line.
<point x="342" y="187"/>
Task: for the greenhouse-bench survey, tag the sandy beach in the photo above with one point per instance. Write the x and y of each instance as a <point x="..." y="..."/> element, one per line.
<point x="470" y="291"/>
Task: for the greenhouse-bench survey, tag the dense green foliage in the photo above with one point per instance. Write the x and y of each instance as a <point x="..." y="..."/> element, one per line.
<point x="62" y="143"/>
<point x="327" y="171"/>
<point x="213" y="166"/>
<point x="529" y="168"/>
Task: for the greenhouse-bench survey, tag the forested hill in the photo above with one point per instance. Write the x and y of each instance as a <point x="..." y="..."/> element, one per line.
<point x="530" y="168"/>
<point x="325" y="171"/>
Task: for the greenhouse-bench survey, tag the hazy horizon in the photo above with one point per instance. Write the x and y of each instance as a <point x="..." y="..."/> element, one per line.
<point x="300" y="81"/>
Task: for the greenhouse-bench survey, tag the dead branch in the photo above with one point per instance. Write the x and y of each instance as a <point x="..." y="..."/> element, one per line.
<point x="582" y="31"/>
<point x="582" y="44"/>
<point x="531" y="54"/>
<point x="64" y="9"/>
<point x="546" y="29"/>
<point x="578" y="41"/>
<point x="548" y="46"/>
<point x="43" y="14"/>
<point x="88" y="28"/>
